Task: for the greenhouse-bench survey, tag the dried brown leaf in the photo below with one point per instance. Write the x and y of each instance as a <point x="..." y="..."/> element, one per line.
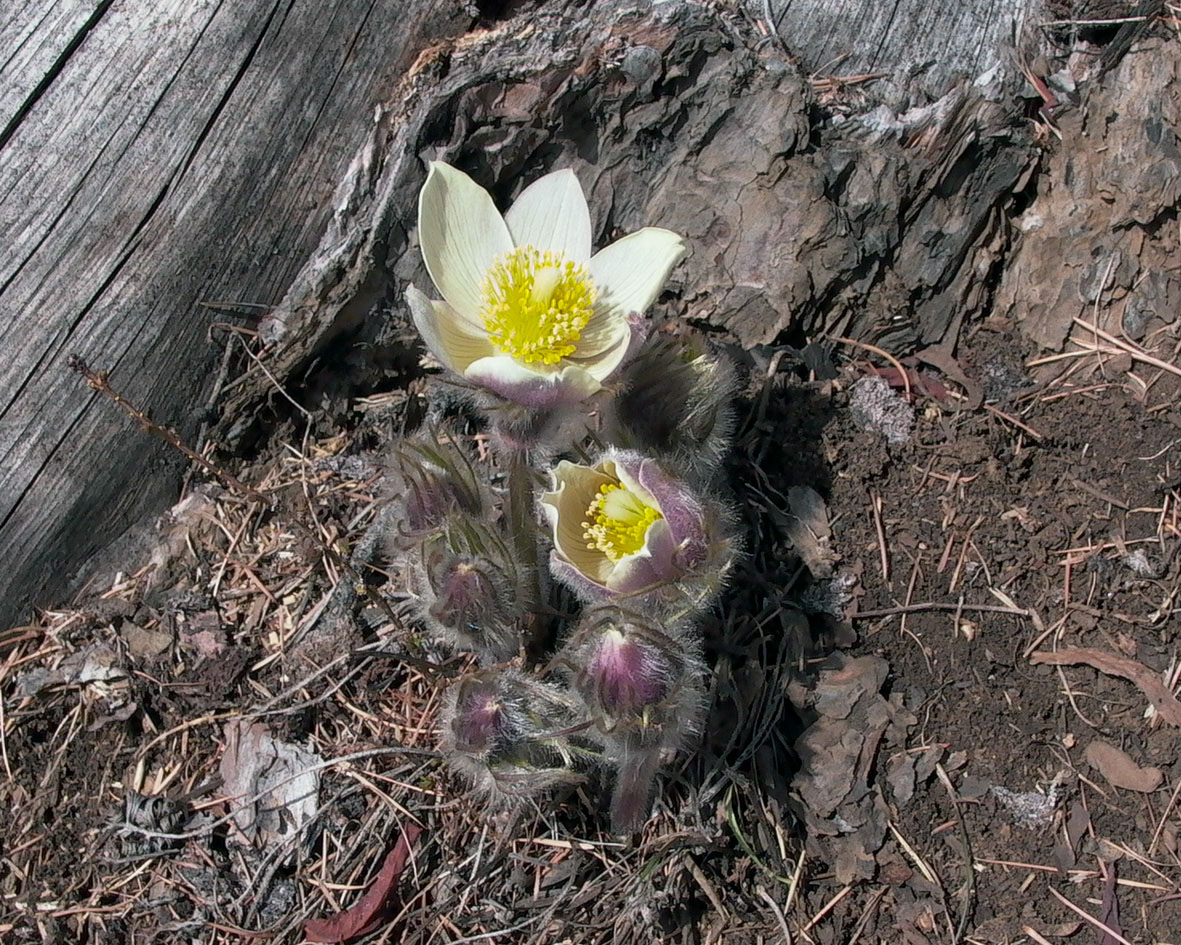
<point x="1146" y="680"/>
<point x="1120" y="770"/>
<point x="378" y="905"/>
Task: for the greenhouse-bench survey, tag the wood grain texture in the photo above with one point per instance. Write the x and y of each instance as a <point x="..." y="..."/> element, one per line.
<point x="924" y="46"/>
<point x="158" y="154"/>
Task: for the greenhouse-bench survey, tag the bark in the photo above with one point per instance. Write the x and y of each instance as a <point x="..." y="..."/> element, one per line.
<point x="805" y="211"/>
<point x="156" y="156"/>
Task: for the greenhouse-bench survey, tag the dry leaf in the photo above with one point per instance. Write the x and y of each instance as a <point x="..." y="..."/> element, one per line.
<point x="1146" y="680"/>
<point x="378" y="905"/>
<point x="1120" y="770"/>
<point x="273" y="787"/>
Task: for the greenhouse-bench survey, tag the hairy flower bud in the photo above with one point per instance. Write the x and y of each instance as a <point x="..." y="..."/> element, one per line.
<point x="512" y="735"/>
<point x="430" y="478"/>
<point x="643" y="688"/>
<point x="468" y="589"/>
<point x="475" y="604"/>
<point x="677" y="403"/>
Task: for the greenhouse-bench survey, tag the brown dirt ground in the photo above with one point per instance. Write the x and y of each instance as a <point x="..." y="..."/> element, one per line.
<point x="992" y="534"/>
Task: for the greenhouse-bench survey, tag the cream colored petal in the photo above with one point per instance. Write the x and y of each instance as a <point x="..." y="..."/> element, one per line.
<point x="520" y="384"/>
<point x="461" y="233"/>
<point x="565" y="508"/>
<point x="551" y="213"/>
<point x="630" y="482"/>
<point x="603" y="345"/>
<point x="448" y="337"/>
<point x="648" y="567"/>
<point x="630" y="273"/>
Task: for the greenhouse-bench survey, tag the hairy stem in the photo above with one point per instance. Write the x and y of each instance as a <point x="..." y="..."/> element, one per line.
<point x="524" y="535"/>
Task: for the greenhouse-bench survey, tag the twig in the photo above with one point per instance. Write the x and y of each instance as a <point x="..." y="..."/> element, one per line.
<point x="933" y="605"/>
<point x="1135" y="351"/>
<point x="881" y="353"/>
<point x="875" y="504"/>
<point x="969" y="870"/>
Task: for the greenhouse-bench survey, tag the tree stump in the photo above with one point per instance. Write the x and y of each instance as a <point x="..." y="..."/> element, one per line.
<point x="268" y="160"/>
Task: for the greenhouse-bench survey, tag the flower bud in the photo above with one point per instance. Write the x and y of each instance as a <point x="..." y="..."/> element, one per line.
<point x="635" y="676"/>
<point x="431" y="478"/>
<point x="512" y="735"/>
<point x="643" y="688"/>
<point x="677" y="403"/>
<point x="468" y="589"/>
<point x="475" y="605"/>
<point x="624" y="529"/>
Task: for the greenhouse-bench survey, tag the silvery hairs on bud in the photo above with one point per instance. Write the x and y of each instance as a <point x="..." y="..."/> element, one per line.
<point x="677" y="403"/>
<point x="513" y="736"/>
<point x="429" y="477"/>
<point x="643" y="687"/>
<point x="470" y="599"/>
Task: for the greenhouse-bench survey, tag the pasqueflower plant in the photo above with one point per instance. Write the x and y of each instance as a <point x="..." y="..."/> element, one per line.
<point x="622" y="509"/>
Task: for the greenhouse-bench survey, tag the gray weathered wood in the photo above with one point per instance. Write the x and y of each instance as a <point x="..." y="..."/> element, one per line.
<point x="184" y="151"/>
<point x="923" y="47"/>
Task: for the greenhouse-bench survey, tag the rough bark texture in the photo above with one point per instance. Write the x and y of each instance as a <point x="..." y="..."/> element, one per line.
<point x="801" y="213"/>
<point x="1100" y="241"/>
<point x="154" y="156"/>
<point x="256" y="153"/>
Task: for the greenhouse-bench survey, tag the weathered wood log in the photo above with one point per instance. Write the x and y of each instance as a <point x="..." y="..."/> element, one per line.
<point x="156" y="156"/>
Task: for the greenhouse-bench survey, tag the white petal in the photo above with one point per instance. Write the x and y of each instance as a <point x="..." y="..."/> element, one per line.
<point x="630" y="273"/>
<point x="447" y="336"/>
<point x="565" y="507"/>
<point x="629" y="482"/>
<point x="461" y="233"/>
<point x="649" y="566"/>
<point x="603" y="345"/>
<point x="518" y="383"/>
<point x="551" y="213"/>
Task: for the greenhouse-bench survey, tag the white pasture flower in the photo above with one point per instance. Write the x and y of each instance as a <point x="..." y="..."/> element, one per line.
<point x="527" y="312"/>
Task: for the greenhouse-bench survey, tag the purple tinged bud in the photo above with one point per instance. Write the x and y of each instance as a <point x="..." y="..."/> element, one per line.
<point x="513" y="735"/>
<point x="627" y="675"/>
<point x="431" y="478"/>
<point x="479" y="716"/>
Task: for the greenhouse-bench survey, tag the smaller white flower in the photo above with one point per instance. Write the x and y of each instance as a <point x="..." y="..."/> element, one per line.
<point x="622" y="526"/>
<point x="527" y="312"/>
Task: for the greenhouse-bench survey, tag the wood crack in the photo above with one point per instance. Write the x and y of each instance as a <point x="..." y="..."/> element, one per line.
<point x="53" y="72"/>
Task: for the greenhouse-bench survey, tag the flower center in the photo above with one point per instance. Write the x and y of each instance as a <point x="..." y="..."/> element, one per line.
<point x="536" y="305"/>
<point x="617" y="521"/>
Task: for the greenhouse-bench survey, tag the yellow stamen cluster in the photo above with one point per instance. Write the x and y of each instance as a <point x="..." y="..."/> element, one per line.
<point x="617" y="521"/>
<point x="536" y="305"/>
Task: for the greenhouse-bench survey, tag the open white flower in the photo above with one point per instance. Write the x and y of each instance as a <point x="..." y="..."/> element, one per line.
<point x="527" y="312"/>
<point x="623" y="526"/>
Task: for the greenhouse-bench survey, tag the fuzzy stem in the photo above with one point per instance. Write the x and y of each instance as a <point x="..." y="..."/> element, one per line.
<point x="524" y="534"/>
<point x="633" y="788"/>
